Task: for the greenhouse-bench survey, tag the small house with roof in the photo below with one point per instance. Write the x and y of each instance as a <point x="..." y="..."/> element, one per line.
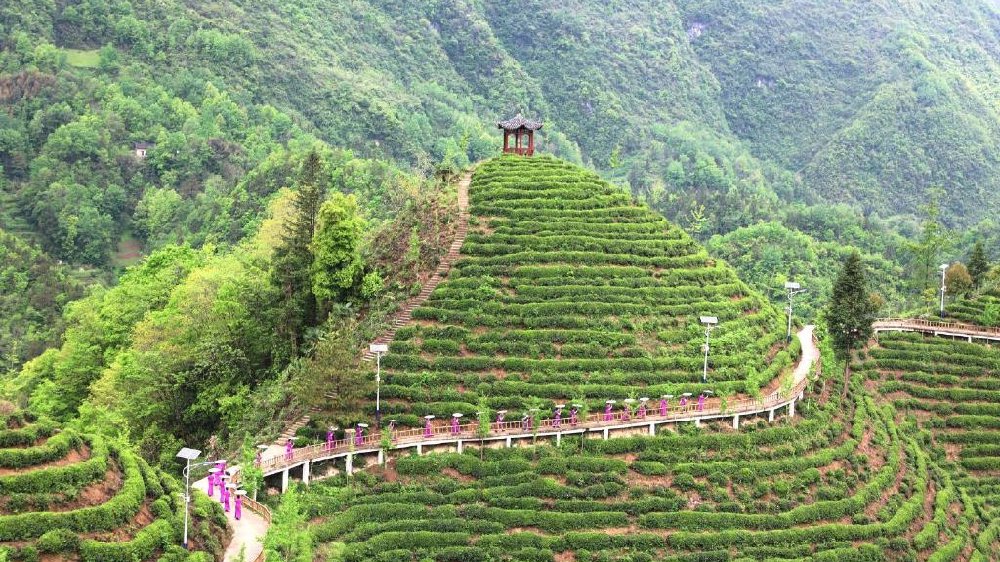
<point x="141" y="148"/>
<point x="523" y="131"/>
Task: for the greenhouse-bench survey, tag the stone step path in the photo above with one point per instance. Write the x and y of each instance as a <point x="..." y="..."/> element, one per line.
<point x="405" y="314"/>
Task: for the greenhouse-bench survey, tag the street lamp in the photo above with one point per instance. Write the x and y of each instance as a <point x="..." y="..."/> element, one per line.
<point x="188" y="455"/>
<point x="379" y="349"/>
<point x="944" y="268"/>
<point x="793" y="289"/>
<point x="709" y="322"/>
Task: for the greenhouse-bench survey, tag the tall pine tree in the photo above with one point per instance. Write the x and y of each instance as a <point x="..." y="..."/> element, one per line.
<point x="291" y="268"/>
<point x="979" y="264"/>
<point x="852" y="309"/>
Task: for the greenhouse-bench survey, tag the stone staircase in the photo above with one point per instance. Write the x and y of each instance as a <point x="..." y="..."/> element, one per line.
<point x="404" y="315"/>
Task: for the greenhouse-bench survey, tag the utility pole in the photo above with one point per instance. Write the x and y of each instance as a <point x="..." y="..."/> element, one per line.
<point x="793" y="289"/>
<point x="379" y="349"/>
<point x="709" y="322"/>
<point x="944" y="269"/>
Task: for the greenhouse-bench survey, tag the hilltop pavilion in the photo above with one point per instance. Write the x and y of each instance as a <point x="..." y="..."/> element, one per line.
<point x="523" y="131"/>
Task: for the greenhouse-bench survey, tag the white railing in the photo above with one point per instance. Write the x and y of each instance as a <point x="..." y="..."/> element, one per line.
<point x="920" y="324"/>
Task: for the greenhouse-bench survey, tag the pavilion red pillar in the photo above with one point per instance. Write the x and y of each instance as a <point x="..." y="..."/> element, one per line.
<point x="517" y="142"/>
<point x="531" y="142"/>
<point x="506" y="142"/>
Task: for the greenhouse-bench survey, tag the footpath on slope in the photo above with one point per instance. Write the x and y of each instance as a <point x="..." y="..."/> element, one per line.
<point x="248" y="532"/>
<point x="810" y="353"/>
<point x="403" y="316"/>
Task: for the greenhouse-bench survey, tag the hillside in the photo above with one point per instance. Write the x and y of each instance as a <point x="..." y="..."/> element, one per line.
<point x="68" y="495"/>
<point x="721" y="117"/>
<point x="569" y="291"/>
<point x="841" y="482"/>
<point x="949" y="390"/>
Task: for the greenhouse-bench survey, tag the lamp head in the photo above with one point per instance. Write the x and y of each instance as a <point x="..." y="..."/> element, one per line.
<point x="188" y="454"/>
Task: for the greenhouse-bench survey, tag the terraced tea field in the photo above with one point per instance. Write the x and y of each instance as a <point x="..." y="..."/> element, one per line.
<point x="952" y="389"/>
<point x="844" y="483"/>
<point x="983" y="310"/>
<point x="568" y="291"/>
<point x="68" y="496"/>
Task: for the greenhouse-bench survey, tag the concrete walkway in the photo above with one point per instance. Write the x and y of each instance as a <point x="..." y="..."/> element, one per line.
<point x="810" y="353"/>
<point x="248" y="532"/>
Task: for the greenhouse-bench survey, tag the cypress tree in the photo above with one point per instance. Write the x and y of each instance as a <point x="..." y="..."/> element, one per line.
<point x="852" y="310"/>
<point x="291" y="267"/>
<point x="979" y="265"/>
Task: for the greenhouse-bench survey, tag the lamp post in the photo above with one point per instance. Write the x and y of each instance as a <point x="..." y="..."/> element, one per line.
<point x="944" y="269"/>
<point x="709" y="322"/>
<point x="188" y="455"/>
<point x="793" y="289"/>
<point x="379" y="349"/>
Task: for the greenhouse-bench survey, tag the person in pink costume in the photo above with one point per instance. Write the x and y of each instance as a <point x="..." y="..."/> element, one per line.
<point x="238" y="507"/>
<point x="607" y="412"/>
<point x="289" y="446"/>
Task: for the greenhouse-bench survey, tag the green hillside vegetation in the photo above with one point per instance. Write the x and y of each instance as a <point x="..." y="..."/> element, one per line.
<point x="841" y="482"/>
<point x="33" y="292"/>
<point x="69" y="495"/>
<point x="872" y="106"/>
<point x="769" y="253"/>
<point x="950" y="389"/>
<point x="195" y="343"/>
<point x="847" y="103"/>
<point x="569" y="290"/>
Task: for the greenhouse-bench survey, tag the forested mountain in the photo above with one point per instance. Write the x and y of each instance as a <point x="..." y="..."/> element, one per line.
<point x="784" y="135"/>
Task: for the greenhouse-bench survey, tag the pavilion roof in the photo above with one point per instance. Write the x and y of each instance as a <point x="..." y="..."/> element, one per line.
<point x="519" y="122"/>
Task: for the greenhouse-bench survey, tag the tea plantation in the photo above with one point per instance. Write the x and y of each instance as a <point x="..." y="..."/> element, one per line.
<point x="842" y="483"/>
<point x="71" y="496"/>
<point x="952" y="390"/>
<point x="569" y="291"/>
